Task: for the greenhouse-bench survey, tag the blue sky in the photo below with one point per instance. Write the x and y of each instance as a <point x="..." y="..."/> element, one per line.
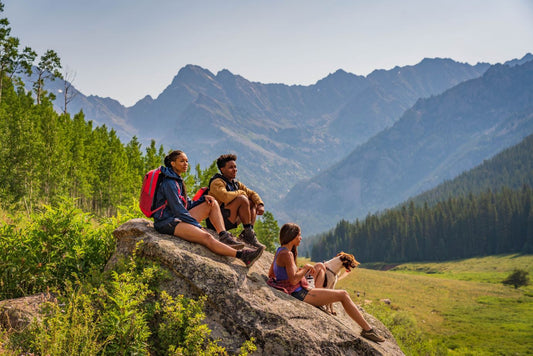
<point x="127" y="49"/>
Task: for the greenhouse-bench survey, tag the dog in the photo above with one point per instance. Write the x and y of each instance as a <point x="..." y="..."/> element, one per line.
<point x="333" y="271"/>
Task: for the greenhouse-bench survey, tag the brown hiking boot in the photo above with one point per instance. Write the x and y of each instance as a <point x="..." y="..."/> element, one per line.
<point x="228" y="239"/>
<point x="248" y="236"/>
<point x="249" y="256"/>
<point x="372" y="335"/>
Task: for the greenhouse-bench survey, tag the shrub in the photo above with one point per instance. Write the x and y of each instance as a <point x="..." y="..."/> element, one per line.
<point x="58" y="244"/>
<point x="518" y="278"/>
<point x="181" y="331"/>
<point x="406" y="331"/>
<point x="67" y="329"/>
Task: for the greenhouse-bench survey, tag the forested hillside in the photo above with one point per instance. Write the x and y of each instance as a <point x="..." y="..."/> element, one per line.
<point x="45" y="155"/>
<point x="485" y="224"/>
<point x="486" y="210"/>
<point x="511" y="168"/>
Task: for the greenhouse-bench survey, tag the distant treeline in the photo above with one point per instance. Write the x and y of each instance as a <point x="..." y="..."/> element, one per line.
<point x="492" y="222"/>
<point x="45" y="155"/>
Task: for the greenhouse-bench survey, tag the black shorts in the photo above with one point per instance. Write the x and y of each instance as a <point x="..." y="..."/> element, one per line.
<point x="167" y="228"/>
<point x="300" y="294"/>
<point x="225" y="215"/>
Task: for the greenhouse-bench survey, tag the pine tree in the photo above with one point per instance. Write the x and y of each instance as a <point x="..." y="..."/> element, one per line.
<point x="267" y="230"/>
<point x="47" y="68"/>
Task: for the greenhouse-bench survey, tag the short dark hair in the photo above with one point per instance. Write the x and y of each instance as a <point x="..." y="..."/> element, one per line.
<point x="222" y="160"/>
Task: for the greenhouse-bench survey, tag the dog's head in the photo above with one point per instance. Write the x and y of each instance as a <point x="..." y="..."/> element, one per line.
<point x="348" y="261"/>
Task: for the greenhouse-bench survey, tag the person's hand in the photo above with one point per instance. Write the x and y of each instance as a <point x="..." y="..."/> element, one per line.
<point x="310" y="269"/>
<point x="209" y="200"/>
<point x="260" y="209"/>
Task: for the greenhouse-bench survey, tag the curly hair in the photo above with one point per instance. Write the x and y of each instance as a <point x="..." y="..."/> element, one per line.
<point x="223" y="159"/>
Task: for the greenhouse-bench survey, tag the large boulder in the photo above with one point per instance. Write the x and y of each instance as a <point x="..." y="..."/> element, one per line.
<point x="241" y="305"/>
<point x="16" y="314"/>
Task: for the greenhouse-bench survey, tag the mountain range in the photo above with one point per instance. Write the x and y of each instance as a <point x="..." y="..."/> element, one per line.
<point x="310" y="134"/>
<point x="436" y="139"/>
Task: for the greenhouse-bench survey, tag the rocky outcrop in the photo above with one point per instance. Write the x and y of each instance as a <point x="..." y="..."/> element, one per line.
<point x="240" y="304"/>
<point x="16" y="314"/>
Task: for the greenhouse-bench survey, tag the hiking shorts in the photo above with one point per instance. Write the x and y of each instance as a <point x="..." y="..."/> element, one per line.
<point x="225" y="215"/>
<point x="167" y="227"/>
<point x="300" y="293"/>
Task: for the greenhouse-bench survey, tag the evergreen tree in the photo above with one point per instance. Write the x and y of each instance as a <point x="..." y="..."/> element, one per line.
<point x="487" y="223"/>
<point x="47" y="68"/>
<point x="267" y="230"/>
<point x="12" y="61"/>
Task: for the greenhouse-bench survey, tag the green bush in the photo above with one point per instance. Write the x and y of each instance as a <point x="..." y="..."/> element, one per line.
<point x="406" y="331"/>
<point x="518" y="278"/>
<point x="68" y="328"/>
<point x="58" y="244"/>
<point x="181" y="331"/>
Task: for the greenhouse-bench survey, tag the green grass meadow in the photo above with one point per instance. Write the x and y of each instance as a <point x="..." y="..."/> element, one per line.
<point x="460" y="305"/>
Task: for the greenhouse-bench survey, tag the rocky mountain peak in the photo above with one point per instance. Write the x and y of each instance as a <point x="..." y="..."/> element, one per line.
<point x="192" y="74"/>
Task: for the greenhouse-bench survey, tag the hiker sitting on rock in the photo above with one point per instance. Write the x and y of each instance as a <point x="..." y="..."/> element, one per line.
<point x="285" y="276"/>
<point x="238" y="204"/>
<point x="179" y="216"/>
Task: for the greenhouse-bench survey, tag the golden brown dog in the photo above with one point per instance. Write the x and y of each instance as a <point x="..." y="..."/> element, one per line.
<point x="333" y="270"/>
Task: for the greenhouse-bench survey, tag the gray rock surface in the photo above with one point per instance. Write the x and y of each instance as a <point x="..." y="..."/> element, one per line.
<point x="16" y="314"/>
<point x="241" y="305"/>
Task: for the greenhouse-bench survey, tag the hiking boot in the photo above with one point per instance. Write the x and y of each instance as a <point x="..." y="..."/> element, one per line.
<point x="372" y="335"/>
<point x="249" y="256"/>
<point x="228" y="239"/>
<point x="248" y="236"/>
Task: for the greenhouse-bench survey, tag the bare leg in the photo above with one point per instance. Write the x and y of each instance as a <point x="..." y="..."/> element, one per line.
<point x="253" y="213"/>
<point x="194" y="234"/>
<point x="204" y="210"/>
<point x="321" y="296"/>
<point x="320" y="275"/>
<point x="239" y="210"/>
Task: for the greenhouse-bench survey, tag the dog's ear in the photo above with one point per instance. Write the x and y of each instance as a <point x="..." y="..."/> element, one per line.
<point x="353" y="261"/>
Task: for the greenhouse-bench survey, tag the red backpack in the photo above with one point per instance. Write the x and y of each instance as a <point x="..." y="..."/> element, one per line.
<point x="200" y="193"/>
<point x="149" y="188"/>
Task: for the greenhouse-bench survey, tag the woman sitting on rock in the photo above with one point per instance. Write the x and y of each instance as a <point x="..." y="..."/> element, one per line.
<point x="180" y="215"/>
<point x="285" y="275"/>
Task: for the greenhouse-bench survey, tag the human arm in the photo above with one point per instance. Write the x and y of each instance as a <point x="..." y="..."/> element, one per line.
<point x="295" y="275"/>
<point x="254" y="197"/>
<point x="208" y="199"/>
<point x="218" y="190"/>
<point x="271" y="270"/>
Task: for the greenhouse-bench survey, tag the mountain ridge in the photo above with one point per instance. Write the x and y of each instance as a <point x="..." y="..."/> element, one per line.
<point x="437" y="138"/>
<point x="278" y="131"/>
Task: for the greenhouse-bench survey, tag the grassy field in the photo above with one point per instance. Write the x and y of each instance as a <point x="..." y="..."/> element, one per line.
<point x="461" y="305"/>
